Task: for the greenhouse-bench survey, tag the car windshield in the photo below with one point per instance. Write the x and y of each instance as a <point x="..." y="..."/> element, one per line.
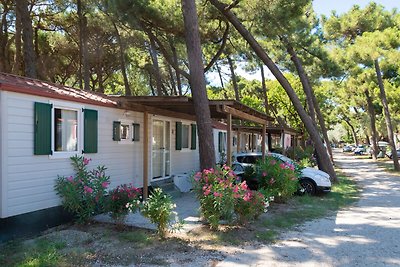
<point x="251" y="159"/>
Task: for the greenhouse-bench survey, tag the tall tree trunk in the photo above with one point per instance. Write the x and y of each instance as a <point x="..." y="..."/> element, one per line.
<point x="176" y="62"/>
<point x="27" y="37"/>
<point x="353" y="132"/>
<point x="122" y="60"/>
<point x="302" y="75"/>
<point x="387" y="116"/>
<point x="17" y="68"/>
<point x="326" y="164"/>
<point x="264" y="89"/>
<point x="156" y="67"/>
<point x="311" y="99"/>
<point x="83" y="49"/>
<point x="198" y="85"/>
<point x="4" y="38"/>
<point x="371" y="113"/>
<point x="172" y="78"/>
<point x="233" y="78"/>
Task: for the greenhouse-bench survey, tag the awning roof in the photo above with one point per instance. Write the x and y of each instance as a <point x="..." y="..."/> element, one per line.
<point x="183" y="107"/>
<point x="269" y="129"/>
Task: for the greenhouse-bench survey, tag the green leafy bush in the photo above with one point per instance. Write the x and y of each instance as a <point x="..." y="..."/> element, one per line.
<point x="159" y="208"/>
<point x="250" y="206"/>
<point x="223" y="197"/>
<point x="304" y="156"/>
<point x="277" y="178"/>
<point x="83" y="194"/>
<point x="122" y="200"/>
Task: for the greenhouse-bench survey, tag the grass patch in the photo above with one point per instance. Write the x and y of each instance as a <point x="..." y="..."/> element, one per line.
<point x="136" y="237"/>
<point x="305" y="208"/>
<point x="41" y="252"/>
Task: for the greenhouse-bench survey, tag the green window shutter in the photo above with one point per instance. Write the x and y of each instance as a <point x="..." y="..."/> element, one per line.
<point x="117" y="131"/>
<point x="42" y="131"/>
<point x="194" y="136"/>
<point x="136" y="132"/>
<point x="178" y="136"/>
<point x="220" y="141"/>
<point x="90" y="128"/>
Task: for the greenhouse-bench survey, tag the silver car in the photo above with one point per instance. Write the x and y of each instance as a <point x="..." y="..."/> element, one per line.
<point x="312" y="180"/>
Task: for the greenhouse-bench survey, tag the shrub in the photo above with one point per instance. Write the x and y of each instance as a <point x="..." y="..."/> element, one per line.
<point x="83" y="194"/>
<point x="278" y="179"/>
<point x="250" y="206"/>
<point x="122" y="200"/>
<point x="223" y="197"/>
<point x="158" y="208"/>
<point x="304" y="156"/>
<point x="214" y="189"/>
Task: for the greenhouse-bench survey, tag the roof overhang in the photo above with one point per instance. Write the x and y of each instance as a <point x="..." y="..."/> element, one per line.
<point x="183" y="107"/>
<point x="269" y="129"/>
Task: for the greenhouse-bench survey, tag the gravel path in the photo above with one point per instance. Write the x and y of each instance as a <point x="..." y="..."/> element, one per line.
<point x="366" y="234"/>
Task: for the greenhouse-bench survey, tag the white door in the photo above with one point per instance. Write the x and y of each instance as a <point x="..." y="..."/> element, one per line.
<point x="161" y="155"/>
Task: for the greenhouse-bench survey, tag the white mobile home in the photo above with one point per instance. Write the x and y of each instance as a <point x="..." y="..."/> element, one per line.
<point x="43" y="125"/>
<point x="139" y="139"/>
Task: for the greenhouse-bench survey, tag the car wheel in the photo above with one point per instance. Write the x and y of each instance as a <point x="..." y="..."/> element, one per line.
<point x="308" y="186"/>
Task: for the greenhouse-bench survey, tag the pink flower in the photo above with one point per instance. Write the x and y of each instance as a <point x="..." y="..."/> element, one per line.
<point x="88" y="189"/>
<point x="243" y="185"/>
<point x="104" y="184"/>
<point x="264" y="174"/>
<point x="86" y="161"/>
<point x="70" y="179"/>
<point x="207" y="192"/>
<point x="216" y="194"/>
<point x="235" y="189"/>
<point x="282" y="166"/>
<point x="247" y="196"/>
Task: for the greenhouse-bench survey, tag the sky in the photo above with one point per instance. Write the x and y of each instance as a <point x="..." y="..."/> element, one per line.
<point x="341" y="6"/>
<point x="321" y="7"/>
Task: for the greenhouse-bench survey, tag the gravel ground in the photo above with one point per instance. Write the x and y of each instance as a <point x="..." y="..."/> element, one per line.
<point x="366" y="234"/>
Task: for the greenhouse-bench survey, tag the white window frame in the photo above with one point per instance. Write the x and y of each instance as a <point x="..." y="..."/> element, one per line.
<point x="72" y="107"/>
<point x="130" y="132"/>
<point x="189" y="140"/>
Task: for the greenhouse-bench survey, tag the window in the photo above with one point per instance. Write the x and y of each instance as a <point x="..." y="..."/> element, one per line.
<point x="185" y="136"/>
<point x="222" y="136"/>
<point x="135" y="132"/>
<point x="65" y="130"/>
<point x="62" y="130"/>
<point x="125" y="132"/>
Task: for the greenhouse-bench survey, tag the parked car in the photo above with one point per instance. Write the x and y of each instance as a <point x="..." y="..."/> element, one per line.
<point x="312" y="180"/>
<point x="347" y="149"/>
<point x="390" y="155"/>
<point x="359" y="150"/>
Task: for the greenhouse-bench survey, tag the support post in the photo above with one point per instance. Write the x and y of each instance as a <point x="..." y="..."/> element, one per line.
<point x="238" y="144"/>
<point x="229" y="141"/>
<point x="263" y="139"/>
<point x="146" y="155"/>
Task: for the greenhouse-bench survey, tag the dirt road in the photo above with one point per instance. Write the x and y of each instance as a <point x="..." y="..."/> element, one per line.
<point x="366" y="234"/>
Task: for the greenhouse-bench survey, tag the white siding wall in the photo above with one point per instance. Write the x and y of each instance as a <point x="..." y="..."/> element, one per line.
<point x="28" y="180"/>
<point x="3" y="113"/>
<point x="185" y="160"/>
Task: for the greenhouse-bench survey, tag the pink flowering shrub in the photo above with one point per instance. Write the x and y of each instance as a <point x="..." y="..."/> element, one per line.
<point x="123" y="199"/>
<point x="276" y="178"/>
<point x="250" y="206"/>
<point x="222" y="195"/>
<point x="84" y="193"/>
